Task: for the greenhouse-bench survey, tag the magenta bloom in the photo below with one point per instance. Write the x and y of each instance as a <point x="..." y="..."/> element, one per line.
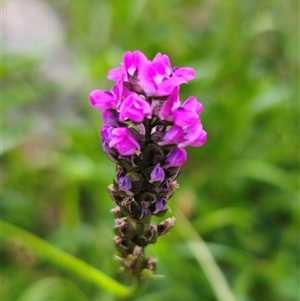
<point x="132" y="61"/>
<point x="135" y="108"/>
<point x="183" y="74"/>
<point x="123" y="141"/>
<point x="158" y="79"/>
<point x="173" y="102"/>
<point x="103" y="100"/>
<point x="176" y="157"/>
<point x="189" y="136"/>
<point x="174" y="135"/>
<point x="194" y="135"/>
<point x="157" y="174"/>
<point x="188" y="113"/>
<point x="200" y="140"/>
<point x="155" y="77"/>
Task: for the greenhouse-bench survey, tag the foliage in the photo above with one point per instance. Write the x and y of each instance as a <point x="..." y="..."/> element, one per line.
<point x="240" y="191"/>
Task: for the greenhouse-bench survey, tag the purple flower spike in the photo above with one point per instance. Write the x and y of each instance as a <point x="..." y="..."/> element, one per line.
<point x="145" y="132"/>
<point x="157" y="174"/>
<point x="176" y="157"/>
<point x="125" y="184"/>
<point x="124" y="142"/>
<point x="135" y="109"/>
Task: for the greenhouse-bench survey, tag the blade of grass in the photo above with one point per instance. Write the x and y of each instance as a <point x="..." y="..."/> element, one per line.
<point x="205" y="259"/>
<point x="65" y="260"/>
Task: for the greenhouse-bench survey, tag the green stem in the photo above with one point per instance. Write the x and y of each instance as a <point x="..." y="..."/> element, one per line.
<point x="205" y="259"/>
<point x="66" y="261"/>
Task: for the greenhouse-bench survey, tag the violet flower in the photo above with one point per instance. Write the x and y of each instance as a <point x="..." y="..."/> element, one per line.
<point x="145" y="131"/>
<point x="157" y="174"/>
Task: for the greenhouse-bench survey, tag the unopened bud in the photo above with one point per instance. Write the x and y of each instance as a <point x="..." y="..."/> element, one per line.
<point x="165" y="226"/>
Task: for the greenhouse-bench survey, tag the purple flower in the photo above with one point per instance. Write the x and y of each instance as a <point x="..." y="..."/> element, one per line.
<point x="155" y="77"/>
<point x="123" y="141"/>
<point x="193" y="135"/>
<point x="111" y="117"/>
<point x="117" y="73"/>
<point x="125" y="184"/>
<point x="176" y="157"/>
<point x="170" y="105"/>
<point x="157" y="174"/>
<point x="132" y="61"/>
<point x="183" y="74"/>
<point x="188" y="113"/>
<point x="160" y="205"/>
<point x="103" y="100"/>
<point x="106" y="133"/>
<point x="174" y="135"/>
<point x="201" y="139"/>
<point x="135" y="109"/>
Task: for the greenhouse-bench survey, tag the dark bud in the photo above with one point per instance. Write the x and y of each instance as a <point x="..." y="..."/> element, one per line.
<point x="120" y="227"/>
<point x="165" y="226"/>
<point x="138" y="137"/>
<point x="151" y="235"/>
<point x="145" y="212"/>
<point x="173" y="173"/>
<point x="151" y="264"/>
<point x="136" y="162"/>
<point x="154" y="154"/>
<point x="157" y="137"/>
<point x="149" y="197"/>
<point x="115" y="195"/>
<point x="117" y="212"/>
<point x="121" y="245"/>
<point x="137" y="182"/>
<point x="131" y="206"/>
<point x="138" y="251"/>
<point x="111" y="153"/>
<point x="133" y="84"/>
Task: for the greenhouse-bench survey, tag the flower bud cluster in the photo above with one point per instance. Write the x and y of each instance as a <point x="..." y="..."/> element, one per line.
<point x="145" y="131"/>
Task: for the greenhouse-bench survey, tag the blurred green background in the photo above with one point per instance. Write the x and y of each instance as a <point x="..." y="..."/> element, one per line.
<point x="240" y="191"/>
